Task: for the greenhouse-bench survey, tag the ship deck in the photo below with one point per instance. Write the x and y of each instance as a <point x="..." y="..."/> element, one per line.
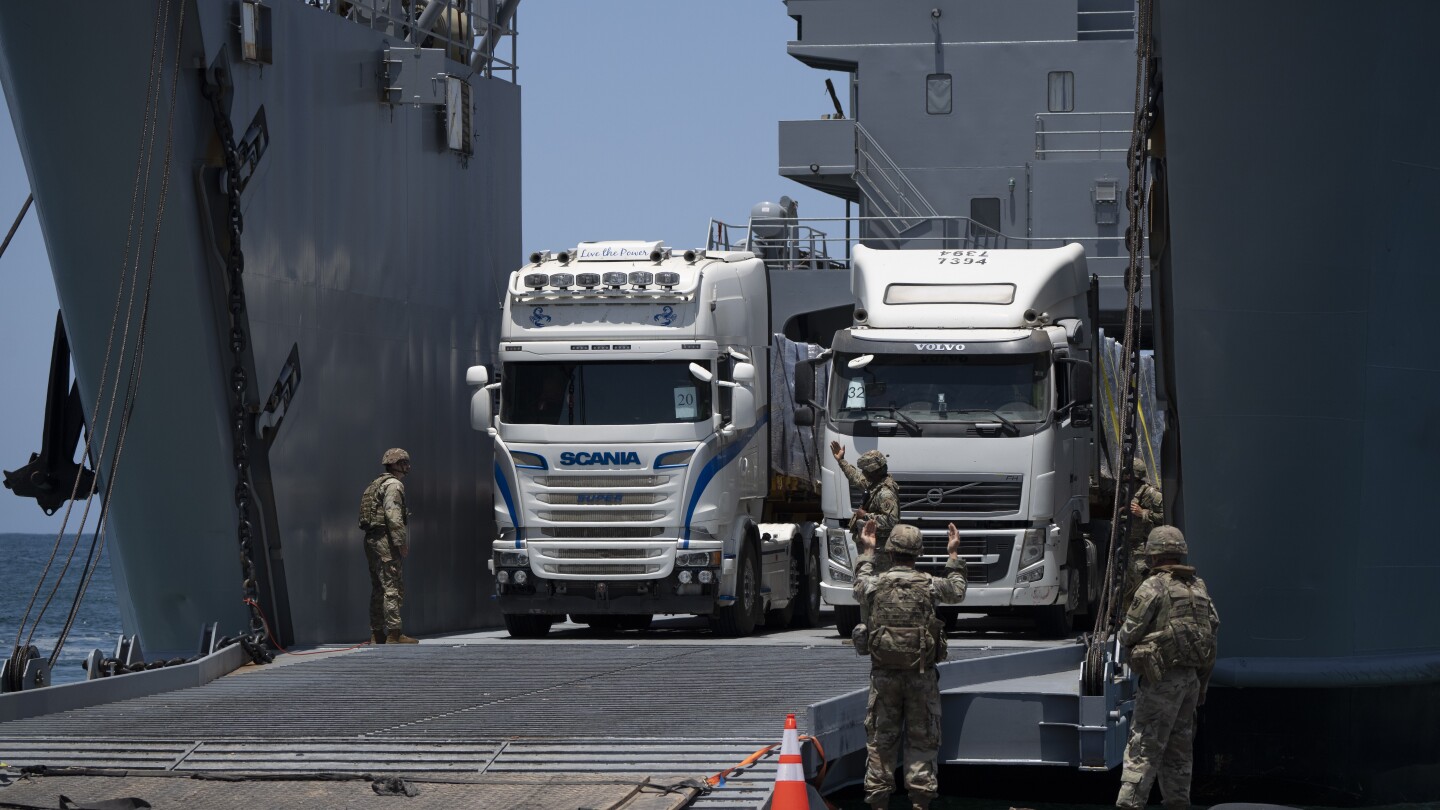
<point x="576" y="719"/>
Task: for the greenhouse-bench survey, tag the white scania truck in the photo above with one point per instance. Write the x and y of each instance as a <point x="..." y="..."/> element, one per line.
<point x="633" y="469"/>
<point x="971" y="370"/>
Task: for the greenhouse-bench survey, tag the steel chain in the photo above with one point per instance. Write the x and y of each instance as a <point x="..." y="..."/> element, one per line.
<point x="239" y="340"/>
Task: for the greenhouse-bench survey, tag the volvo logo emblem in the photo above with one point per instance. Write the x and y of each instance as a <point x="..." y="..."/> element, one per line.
<point x="935" y="495"/>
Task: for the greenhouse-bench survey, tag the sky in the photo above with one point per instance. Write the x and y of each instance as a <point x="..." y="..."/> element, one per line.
<point x="669" y="106"/>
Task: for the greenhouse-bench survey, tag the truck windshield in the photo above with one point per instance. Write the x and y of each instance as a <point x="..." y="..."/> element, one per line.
<point x="602" y="393"/>
<point x="941" y="388"/>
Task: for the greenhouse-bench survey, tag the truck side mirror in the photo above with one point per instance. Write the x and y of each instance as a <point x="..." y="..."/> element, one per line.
<point x="1082" y="382"/>
<point x="804" y="415"/>
<point x="480" y="405"/>
<point x="804" y="384"/>
<point x="742" y="397"/>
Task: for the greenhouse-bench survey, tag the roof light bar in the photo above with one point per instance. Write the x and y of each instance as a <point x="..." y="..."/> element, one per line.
<point x="642" y="278"/>
<point x="536" y="281"/>
<point x="561" y="281"/>
<point x="588" y="280"/>
<point x="614" y="279"/>
<point x="667" y="279"/>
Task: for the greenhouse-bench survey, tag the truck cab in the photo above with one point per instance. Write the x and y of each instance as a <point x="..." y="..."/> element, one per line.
<point x="971" y="370"/>
<point x="632" y="443"/>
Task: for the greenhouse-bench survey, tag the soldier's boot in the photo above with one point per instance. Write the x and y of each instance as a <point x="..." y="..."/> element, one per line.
<point x="397" y="637"/>
<point x="377" y="636"/>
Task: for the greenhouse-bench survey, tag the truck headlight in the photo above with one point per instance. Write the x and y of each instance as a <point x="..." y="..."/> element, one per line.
<point x="528" y="461"/>
<point x="698" y="559"/>
<point x="1031" y="576"/>
<point x="512" y="559"/>
<point x="685" y="577"/>
<point x="521" y="577"/>
<point x="1033" y="548"/>
<point x="503" y="577"/>
<point x="837" y="546"/>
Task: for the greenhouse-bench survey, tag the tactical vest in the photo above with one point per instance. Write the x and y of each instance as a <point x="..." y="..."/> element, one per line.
<point x="905" y="633"/>
<point x="372" y="503"/>
<point x="1186" y="637"/>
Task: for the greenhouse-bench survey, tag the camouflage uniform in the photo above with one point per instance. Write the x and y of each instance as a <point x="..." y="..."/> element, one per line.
<point x="1152" y="514"/>
<point x="383" y="517"/>
<point x="880" y="500"/>
<point x="906" y="699"/>
<point x="1172" y="609"/>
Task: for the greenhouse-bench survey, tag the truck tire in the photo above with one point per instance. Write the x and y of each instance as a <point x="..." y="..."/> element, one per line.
<point x="846" y="618"/>
<point x="807" y="602"/>
<point x="740" y="616"/>
<point x="525" y="625"/>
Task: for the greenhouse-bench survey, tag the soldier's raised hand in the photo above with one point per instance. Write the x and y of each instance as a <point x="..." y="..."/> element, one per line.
<point x="837" y="451"/>
<point x="868" y="535"/>
<point x="953" y="544"/>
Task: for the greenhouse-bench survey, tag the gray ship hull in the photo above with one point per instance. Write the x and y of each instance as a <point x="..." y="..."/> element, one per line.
<point x="1297" y="198"/>
<point x="369" y="247"/>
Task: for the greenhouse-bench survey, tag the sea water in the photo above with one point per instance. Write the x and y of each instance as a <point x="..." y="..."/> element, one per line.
<point x="97" y="622"/>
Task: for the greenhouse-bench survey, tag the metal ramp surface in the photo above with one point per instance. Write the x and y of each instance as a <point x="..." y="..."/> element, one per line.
<point x="663" y="711"/>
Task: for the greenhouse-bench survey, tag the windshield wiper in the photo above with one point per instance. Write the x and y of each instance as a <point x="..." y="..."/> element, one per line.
<point x="910" y="424"/>
<point x="1015" y="431"/>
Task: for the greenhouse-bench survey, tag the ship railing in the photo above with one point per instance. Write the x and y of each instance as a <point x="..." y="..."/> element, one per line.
<point x="471" y="32"/>
<point x="886" y="186"/>
<point x="1082" y="134"/>
<point x="826" y="243"/>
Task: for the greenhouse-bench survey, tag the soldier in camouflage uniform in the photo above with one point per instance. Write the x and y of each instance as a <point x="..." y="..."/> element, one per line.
<point x="1170" y="632"/>
<point x="383" y="518"/>
<point x="880" y="501"/>
<point x="905" y="641"/>
<point x="1147" y="510"/>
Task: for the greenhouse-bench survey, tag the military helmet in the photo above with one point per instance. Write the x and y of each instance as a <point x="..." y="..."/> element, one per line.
<point x="1141" y="468"/>
<point x="904" y="539"/>
<point x="394" y="455"/>
<point x="871" y="461"/>
<point x="1166" y="541"/>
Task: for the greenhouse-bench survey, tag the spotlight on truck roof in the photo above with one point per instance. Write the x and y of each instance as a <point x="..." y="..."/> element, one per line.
<point x="614" y="279"/>
<point x="642" y="278"/>
<point x="536" y="281"/>
<point x="668" y="279"/>
<point x="588" y="280"/>
<point x="561" y="281"/>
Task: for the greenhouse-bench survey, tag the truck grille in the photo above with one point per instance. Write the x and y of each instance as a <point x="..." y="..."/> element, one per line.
<point x="601" y="532"/>
<point x="928" y="497"/>
<point x="933" y="561"/>
<point x="600" y="516"/>
<point x="601" y="481"/>
<point x="603" y="553"/>
<point x="612" y="569"/>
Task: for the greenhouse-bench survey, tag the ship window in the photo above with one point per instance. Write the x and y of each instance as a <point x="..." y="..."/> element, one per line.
<point x="1062" y="91"/>
<point x="986" y="211"/>
<point x="938" y="97"/>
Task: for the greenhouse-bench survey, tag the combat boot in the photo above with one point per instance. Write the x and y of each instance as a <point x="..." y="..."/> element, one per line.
<point x="377" y="636"/>
<point x="397" y="637"/>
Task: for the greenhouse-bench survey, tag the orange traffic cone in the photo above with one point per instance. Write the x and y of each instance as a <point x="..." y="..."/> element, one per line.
<point x="791" y="791"/>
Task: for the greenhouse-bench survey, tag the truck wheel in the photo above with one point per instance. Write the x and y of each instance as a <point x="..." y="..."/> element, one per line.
<point x="738" y="618"/>
<point x="525" y="625"/>
<point x="807" y="607"/>
<point x="1058" y="621"/>
<point x="846" y="618"/>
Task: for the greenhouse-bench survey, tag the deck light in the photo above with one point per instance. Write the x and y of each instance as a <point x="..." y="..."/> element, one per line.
<point x="561" y="281"/>
<point x="668" y="279"/>
<point x="642" y="278"/>
<point x="536" y="281"/>
<point x="613" y="280"/>
<point x="588" y="280"/>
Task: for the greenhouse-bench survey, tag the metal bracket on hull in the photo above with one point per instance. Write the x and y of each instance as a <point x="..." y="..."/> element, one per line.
<point x="268" y="424"/>
<point x="52" y="477"/>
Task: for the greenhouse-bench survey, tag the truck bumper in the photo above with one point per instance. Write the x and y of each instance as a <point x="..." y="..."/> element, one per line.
<point x="837" y="594"/>
<point x="618" y="598"/>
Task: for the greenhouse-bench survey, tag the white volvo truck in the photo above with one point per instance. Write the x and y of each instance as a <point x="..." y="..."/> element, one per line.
<point x="971" y="370"/>
<point x="633" y="469"/>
